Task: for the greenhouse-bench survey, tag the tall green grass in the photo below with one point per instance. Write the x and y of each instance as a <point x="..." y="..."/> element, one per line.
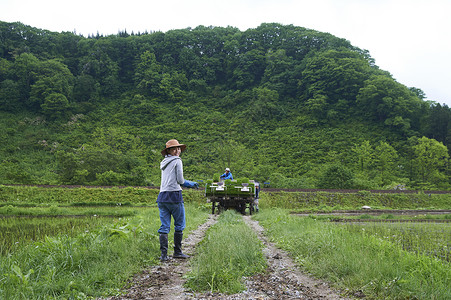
<point x="357" y="262"/>
<point x="423" y="238"/>
<point x="91" y="264"/>
<point x="230" y="251"/>
<point x="18" y="232"/>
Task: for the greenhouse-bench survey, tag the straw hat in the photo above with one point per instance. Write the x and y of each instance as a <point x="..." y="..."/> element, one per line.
<point x="172" y="143"/>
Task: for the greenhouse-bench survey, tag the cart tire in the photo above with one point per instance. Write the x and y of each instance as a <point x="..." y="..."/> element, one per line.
<point x="213" y="208"/>
<point x="243" y="208"/>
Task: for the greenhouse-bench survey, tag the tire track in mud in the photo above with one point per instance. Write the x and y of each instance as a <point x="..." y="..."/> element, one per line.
<point x="165" y="281"/>
<point x="282" y="279"/>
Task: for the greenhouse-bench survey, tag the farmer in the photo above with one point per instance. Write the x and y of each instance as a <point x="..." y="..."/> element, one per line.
<point x="226" y="175"/>
<point x="170" y="200"/>
<point x="257" y="195"/>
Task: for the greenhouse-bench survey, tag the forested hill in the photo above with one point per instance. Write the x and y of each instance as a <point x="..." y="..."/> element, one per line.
<point x="282" y="104"/>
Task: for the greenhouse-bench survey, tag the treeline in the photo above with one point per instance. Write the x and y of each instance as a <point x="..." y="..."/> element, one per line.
<point x="278" y="103"/>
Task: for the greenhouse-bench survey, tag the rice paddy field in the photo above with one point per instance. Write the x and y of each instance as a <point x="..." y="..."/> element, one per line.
<point x="16" y="232"/>
<point x="430" y="239"/>
<point x="69" y="243"/>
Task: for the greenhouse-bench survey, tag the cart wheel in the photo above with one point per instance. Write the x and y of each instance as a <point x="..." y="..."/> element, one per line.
<point x="213" y="208"/>
<point x="243" y="208"/>
<point x="251" y="208"/>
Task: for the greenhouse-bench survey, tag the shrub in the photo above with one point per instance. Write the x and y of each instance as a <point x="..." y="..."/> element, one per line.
<point x="336" y="176"/>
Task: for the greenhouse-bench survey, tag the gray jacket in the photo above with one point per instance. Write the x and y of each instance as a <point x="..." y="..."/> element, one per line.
<point x="171" y="174"/>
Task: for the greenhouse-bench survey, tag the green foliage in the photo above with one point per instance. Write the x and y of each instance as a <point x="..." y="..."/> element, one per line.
<point x="389" y="102"/>
<point x="277" y="103"/>
<point x="113" y="158"/>
<point x="431" y="158"/>
<point x="336" y="177"/>
<point x="55" y="105"/>
<point x="9" y="95"/>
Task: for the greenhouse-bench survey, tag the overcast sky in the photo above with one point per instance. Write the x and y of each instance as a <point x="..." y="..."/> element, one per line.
<point x="408" y="38"/>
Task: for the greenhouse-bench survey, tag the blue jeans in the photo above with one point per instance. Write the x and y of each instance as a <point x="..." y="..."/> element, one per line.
<point x="177" y="211"/>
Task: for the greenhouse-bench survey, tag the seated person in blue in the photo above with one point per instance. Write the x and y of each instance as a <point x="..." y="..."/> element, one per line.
<point x="226" y="175"/>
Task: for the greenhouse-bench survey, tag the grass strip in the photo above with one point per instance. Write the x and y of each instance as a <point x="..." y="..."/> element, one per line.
<point x="95" y="196"/>
<point x="230" y="251"/>
<point x="54" y="210"/>
<point x="92" y="264"/>
<point x="384" y="217"/>
<point x="357" y="262"/>
<point x="328" y="201"/>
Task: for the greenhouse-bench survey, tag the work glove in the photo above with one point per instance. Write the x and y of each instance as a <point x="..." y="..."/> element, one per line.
<point x="190" y="184"/>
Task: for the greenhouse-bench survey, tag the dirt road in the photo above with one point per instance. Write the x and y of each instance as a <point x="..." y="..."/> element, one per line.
<point x="281" y="281"/>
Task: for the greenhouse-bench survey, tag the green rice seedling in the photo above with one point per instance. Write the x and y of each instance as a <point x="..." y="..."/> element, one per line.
<point x="365" y="217"/>
<point x="208" y="189"/>
<point x="17" y="232"/>
<point x="387" y="216"/>
<point x="229" y="251"/>
<point x="216" y="177"/>
<point x="421" y="238"/>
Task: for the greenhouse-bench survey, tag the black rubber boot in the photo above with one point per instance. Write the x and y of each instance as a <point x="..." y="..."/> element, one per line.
<point x="164" y="247"/>
<point x="178" y="236"/>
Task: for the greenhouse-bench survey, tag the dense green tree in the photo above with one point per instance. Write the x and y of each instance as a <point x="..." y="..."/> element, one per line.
<point x="148" y="74"/>
<point x="277" y="102"/>
<point x="336" y="176"/>
<point x="365" y="155"/>
<point x="383" y="99"/>
<point x="317" y="106"/>
<point x="86" y="89"/>
<point x="279" y="73"/>
<point x="336" y="74"/>
<point x="385" y="160"/>
<point x="249" y="69"/>
<point x="439" y="124"/>
<point x="51" y="77"/>
<point x="25" y="67"/>
<point x="97" y="63"/>
<point x="9" y="96"/>
<point x="264" y="105"/>
<point x="233" y="155"/>
<point x="431" y="159"/>
<point x="55" y="105"/>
